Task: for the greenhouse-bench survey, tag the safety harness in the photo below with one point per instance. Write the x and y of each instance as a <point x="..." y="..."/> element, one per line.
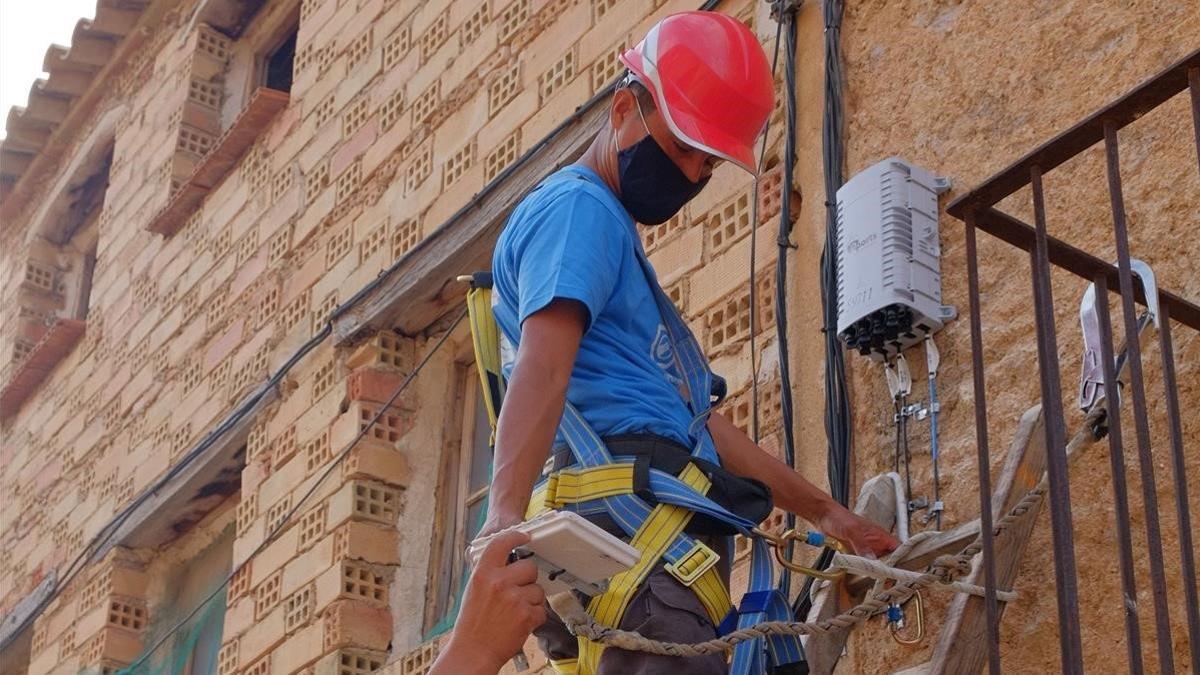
<point x="601" y="483"/>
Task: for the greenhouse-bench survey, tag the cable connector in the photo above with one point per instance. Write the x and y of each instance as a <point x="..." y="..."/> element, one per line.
<point x="782" y="8"/>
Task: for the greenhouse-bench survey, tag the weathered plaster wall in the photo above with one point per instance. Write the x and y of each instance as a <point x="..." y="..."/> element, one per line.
<point x="962" y="89"/>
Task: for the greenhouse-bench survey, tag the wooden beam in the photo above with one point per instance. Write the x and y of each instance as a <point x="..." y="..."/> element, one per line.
<point x="876" y="502"/>
<point x="207" y="481"/>
<point x="962" y="645"/>
<point x="420" y="287"/>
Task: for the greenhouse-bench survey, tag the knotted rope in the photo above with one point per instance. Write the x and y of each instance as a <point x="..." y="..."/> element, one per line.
<point x="945" y="570"/>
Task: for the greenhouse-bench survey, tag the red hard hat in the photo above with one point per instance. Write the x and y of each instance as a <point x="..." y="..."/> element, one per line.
<point x="711" y="81"/>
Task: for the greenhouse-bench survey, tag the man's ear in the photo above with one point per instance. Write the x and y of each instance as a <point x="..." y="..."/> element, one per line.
<point x="622" y="106"/>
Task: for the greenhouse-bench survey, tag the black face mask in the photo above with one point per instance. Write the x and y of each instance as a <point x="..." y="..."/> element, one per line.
<point x="653" y="188"/>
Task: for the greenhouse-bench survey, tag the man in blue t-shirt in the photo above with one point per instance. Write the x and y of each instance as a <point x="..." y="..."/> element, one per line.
<point x="569" y="266"/>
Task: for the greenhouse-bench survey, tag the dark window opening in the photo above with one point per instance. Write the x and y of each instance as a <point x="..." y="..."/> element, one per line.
<point x="280" y="63"/>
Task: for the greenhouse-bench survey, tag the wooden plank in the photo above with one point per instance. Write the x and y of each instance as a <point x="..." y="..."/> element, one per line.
<point x="962" y="644"/>
<point x="421" y="286"/>
<point x="207" y="481"/>
<point x="876" y="502"/>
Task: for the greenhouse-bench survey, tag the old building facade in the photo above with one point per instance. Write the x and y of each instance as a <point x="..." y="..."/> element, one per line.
<point x="231" y="230"/>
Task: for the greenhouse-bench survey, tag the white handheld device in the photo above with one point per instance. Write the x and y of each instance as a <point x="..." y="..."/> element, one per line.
<point x="571" y="553"/>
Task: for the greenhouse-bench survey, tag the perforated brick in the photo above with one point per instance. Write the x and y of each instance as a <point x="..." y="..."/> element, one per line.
<point x="608" y="67"/>
<point x="312" y="526"/>
<point x="282" y="181"/>
<point x="281" y="242"/>
<point x="298" y="608"/>
<point x="239" y="584"/>
<point x="193" y="373"/>
<point x="337" y="246"/>
<point x="420" y="660"/>
<point x="316" y="181"/>
<point x="433" y="36"/>
<point x="40" y="276"/>
<point x="770" y="405"/>
<point x="729" y="223"/>
<point x="144" y="290"/>
<point x="308" y="7"/>
<point x="205" y="93"/>
<point x="41" y="633"/>
<point x="502" y="156"/>
<point x="765" y="298"/>
<point x="256" y="441"/>
<point x="247" y="511"/>
<point x="324" y="378"/>
<point x="405" y="235"/>
<point x="355" y="116"/>
<point x="377" y="503"/>
<point x="389" y="427"/>
<point x="419" y="167"/>
<point x="322" y="312"/>
<point x="221" y="375"/>
<point x="349" y="182"/>
<point x="221" y="243"/>
<point x="372" y="242"/>
<point x="426" y="103"/>
<point x="504" y="87"/>
<point x="266" y="595"/>
<point x="317" y="453"/>
<point x="358" y="50"/>
<point x="259" y="667"/>
<point x="391" y="109"/>
<point x="324" y="58"/>
<point x="181" y="440"/>
<point x="277" y="514"/>
<point x="560" y="72"/>
<point x="728" y="323"/>
<point x="360" y="580"/>
<point x="512" y="19"/>
<point x="194" y="141"/>
<point x="297" y="310"/>
<point x="602" y="7"/>
<point x="212" y="43"/>
<point x="478" y="20"/>
<point x="324" y="111"/>
<point x="127" y="613"/>
<point x="655" y="235"/>
<point x="392" y="352"/>
<point x="66" y="644"/>
<point x="397" y="46"/>
<point x="95" y="592"/>
<point x="268" y="306"/>
<point x="227" y="658"/>
<point x="459" y="163"/>
<point x="247" y="246"/>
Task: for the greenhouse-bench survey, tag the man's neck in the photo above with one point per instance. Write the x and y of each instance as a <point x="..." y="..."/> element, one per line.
<point x="599" y="159"/>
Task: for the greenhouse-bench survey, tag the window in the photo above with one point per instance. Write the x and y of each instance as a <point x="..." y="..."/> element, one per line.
<point x="195" y="647"/>
<point x="279" y="64"/>
<point x="463" y="497"/>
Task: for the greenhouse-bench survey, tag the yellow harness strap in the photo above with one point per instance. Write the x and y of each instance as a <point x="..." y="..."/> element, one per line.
<point x="485" y="338"/>
<point x="652" y="539"/>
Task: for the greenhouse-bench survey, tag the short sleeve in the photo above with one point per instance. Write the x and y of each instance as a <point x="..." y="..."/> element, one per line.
<point x="572" y="249"/>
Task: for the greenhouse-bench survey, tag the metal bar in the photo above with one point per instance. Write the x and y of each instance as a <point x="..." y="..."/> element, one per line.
<point x="1082" y="264"/>
<point x="1194" y="86"/>
<point x="1066" y="582"/>
<point x="1158" y="581"/>
<point x="1187" y="551"/>
<point x="1141" y="99"/>
<point x="1116" y="460"/>
<point x="983" y="455"/>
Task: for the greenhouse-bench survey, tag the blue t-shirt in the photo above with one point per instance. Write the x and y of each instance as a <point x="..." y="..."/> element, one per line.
<point x="571" y="238"/>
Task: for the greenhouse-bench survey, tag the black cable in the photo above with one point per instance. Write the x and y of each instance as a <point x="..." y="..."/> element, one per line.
<point x="279" y="527"/>
<point x="787" y="17"/>
<point x="837" y="402"/>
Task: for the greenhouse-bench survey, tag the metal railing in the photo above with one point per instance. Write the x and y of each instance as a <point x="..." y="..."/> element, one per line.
<point x="978" y="210"/>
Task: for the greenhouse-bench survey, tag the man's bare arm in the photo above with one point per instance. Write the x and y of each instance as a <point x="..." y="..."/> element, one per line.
<point x="792" y="492"/>
<point x="533" y="406"/>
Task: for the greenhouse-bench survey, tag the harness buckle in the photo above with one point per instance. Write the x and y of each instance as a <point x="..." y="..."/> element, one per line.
<point x="693" y="564"/>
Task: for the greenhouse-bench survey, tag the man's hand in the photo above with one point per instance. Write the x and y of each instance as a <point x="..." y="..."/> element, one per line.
<point x="501" y="607"/>
<point x="862" y="536"/>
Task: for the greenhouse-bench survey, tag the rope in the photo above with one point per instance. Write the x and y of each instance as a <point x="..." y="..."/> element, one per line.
<point x="945" y="570"/>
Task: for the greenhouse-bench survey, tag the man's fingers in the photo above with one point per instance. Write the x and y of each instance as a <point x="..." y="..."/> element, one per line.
<point x="497" y="551"/>
<point x="520" y="573"/>
<point x="532" y="594"/>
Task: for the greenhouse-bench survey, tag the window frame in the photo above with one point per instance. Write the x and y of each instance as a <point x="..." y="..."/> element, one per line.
<point x="447" y="577"/>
